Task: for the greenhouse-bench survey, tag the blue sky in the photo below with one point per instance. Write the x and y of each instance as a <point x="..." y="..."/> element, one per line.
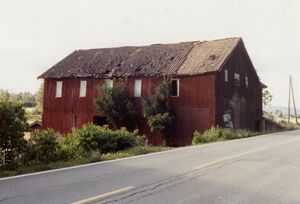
<point x="36" y="34"/>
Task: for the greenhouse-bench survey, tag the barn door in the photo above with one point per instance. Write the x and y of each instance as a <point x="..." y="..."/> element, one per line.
<point x="188" y="120"/>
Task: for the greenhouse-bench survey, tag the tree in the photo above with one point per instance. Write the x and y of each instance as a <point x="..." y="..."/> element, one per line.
<point x="116" y="105"/>
<point x="158" y="112"/>
<point x="12" y="127"/>
<point x="267" y="98"/>
<point x="26" y="98"/>
<point x="4" y="94"/>
<point x="39" y="96"/>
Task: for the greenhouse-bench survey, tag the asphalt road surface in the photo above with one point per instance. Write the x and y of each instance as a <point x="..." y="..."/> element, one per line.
<point x="263" y="169"/>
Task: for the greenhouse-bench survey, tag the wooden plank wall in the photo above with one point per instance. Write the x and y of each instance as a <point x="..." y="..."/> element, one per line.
<point x="194" y="108"/>
<point x="245" y="103"/>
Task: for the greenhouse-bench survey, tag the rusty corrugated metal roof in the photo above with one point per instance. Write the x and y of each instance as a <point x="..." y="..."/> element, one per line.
<point x="154" y="60"/>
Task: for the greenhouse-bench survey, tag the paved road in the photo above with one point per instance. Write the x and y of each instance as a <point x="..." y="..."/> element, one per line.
<point x="264" y="169"/>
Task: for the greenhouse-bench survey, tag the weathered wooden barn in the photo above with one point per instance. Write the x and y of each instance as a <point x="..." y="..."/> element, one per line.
<point x="213" y="83"/>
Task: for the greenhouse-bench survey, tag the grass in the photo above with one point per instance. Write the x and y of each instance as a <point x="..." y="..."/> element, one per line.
<point x="133" y="151"/>
<point x="217" y="134"/>
<point x="95" y="157"/>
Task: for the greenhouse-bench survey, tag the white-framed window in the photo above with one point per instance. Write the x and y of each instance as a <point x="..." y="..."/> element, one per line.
<point x="237" y="79"/>
<point x="175" y="87"/>
<point x="58" y="91"/>
<point x="109" y="83"/>
<point x="83" y="85"/>
<point x="246" y="81"/>
<point x="138" y="88"/>
<point x="226" y="75"/>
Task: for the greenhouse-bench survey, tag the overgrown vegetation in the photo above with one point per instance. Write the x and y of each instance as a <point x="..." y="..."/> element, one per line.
<point x="158" y="112"/>
<point x="27" y="99"/>
<point x="12" y="127"/>
<point x="92" y="138"/>
<point x="95" y="157"/>
<point x="116" y="104"/>
<point x="289" y="126"/>
<point x="90" y="143"/>
<point x="43" y="148"/>
<point x="215" y="134"/>
<point x="33" y="103"/>
<point x="266" y="98"/>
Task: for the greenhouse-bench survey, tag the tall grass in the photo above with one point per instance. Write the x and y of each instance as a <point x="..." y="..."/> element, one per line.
<point x="215" y="134"/>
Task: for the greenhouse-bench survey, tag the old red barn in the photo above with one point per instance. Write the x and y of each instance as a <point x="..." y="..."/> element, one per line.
<point x="213" y="83"/>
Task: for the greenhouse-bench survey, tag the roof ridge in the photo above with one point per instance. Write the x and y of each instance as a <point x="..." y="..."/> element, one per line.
<point x="155" y="44"/>
<point x="193" y="57"/>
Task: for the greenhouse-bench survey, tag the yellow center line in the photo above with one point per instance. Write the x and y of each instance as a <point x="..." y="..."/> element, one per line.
<point x="98" y="197"/>
<point x="203" y="166"/>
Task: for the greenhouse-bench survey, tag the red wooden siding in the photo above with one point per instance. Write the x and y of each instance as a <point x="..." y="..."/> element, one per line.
<point x="194" y="108"/>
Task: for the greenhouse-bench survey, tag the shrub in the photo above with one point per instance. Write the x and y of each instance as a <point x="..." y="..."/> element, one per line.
<point x="216" y="134"/>
<point x="210" y="135"/>
<point x="158" y="112"/>
<point x="241" y="134"/>
<point x="43" y="147"/>
<point x="95" y="138"/>
<point x="70" y="147"/>
<point x="1" y="156"/>
<point x="12" y="127"/>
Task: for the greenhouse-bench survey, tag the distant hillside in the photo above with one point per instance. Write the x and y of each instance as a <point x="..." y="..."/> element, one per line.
<point x="283" y="109"/>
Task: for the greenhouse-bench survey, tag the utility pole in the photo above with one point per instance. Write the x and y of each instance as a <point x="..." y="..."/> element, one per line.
<point x="289" y="106"/>
<point x="291" y="91"/>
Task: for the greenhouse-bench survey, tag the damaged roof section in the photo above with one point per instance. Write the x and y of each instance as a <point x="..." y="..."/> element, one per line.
<point x="187" y="58"/>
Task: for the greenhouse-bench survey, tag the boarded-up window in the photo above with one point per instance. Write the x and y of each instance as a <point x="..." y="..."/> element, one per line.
<point x="236" y="79"/>
<point x="109" y="83"/>
<point x="58" y="92"/>
<point x="83" y="88"/>
<point x="226" y="75"/>
<point x="137" y="88"/>
<point x="175" y="87"/>
<point x="246" y="81"/>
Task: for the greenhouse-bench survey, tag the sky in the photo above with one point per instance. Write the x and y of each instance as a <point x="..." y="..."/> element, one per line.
<point x="36" y="34"/>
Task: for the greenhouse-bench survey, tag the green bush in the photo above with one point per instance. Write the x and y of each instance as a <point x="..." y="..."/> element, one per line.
<point x="210" y="135"/>
<point x="218" y="134"/>
<point x="95" y="138"/>
<point x="43" y="148"/>
<point x="12" y="127"/>
<point x="70" y="147"/>
<point x="241" y="134"/>
<point x="158" y="112"/>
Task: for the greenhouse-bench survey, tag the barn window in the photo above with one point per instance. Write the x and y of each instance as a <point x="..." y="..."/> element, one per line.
<point x="109" y="83"/>
<point x="83" y="88"/>
<point x="246" y="81"/>
<point x="175" y="87"/>
<point x="58" y="92"/>
<point x="137" y="88"/>
<point x="226" y="75"/>
<point x="236" y="79"/>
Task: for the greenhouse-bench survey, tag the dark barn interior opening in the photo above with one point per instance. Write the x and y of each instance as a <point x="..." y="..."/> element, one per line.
<point x="100" y="120"/>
